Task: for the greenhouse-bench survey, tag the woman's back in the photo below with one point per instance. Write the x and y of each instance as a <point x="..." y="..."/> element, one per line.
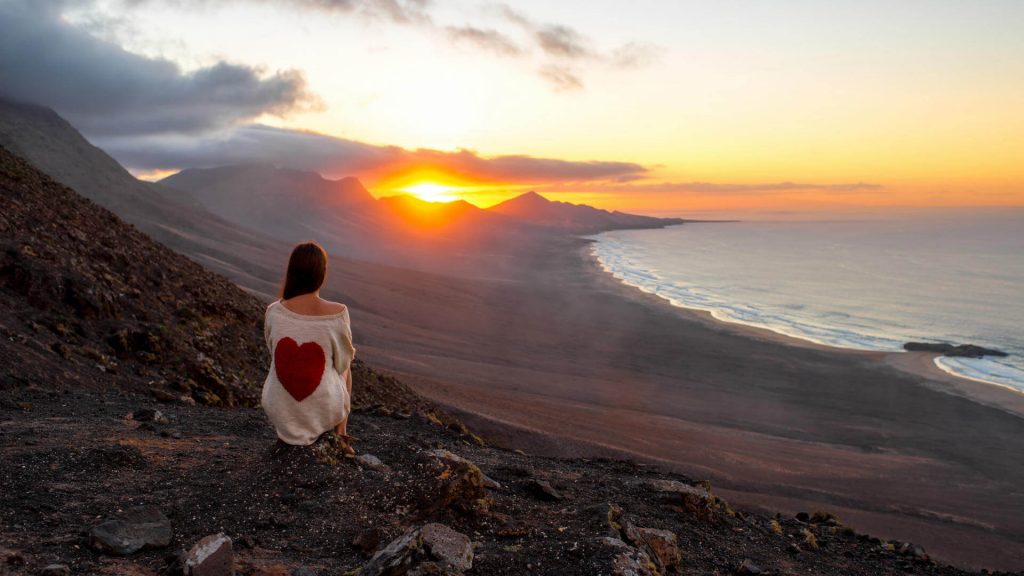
<point x="310" y="342"/>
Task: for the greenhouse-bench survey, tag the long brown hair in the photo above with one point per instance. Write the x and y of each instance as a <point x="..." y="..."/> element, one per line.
<point x="307" y="269"/>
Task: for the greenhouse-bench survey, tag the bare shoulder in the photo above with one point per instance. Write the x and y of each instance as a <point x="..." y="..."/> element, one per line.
<point x="332" y="307"/>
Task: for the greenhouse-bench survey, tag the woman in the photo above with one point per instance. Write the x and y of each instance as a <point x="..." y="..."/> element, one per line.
<point x="309" y="388"/>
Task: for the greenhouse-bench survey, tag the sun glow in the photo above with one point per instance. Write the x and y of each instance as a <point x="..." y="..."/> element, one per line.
<point x="432" y="192"/>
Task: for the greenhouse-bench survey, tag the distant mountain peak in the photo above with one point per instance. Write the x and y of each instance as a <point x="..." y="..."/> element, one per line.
<point x="579" y="218"/>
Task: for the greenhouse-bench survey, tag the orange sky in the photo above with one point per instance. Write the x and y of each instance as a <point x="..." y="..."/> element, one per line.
<point x="787" y="105"/>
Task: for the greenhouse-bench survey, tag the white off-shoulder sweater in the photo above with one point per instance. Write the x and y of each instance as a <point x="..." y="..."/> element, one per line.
<point x="304" y="394"/>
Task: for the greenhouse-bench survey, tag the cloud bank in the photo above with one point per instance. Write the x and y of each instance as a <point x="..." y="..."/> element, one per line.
<point x="104" y="89"/>
<point x="341" y="157"/>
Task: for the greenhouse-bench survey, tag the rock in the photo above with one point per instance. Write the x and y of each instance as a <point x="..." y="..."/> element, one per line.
<point x="490" y="483"/>
<point x="137" y="529"/>
<point x="613" y="542"/>
<point x="367" y="541"/>
<point x="371" y="462"/>
<point x="56" y="570"/>
<point x="629" y="561"/>
<point x="828" y="518"/>
<point x="695" y="500"/>
<point x="211" y="556"/>
<point x="150" y="415"/>
<point x="748" y="567"/>
<point x="395" y="558"/>
<point x="662" y="546"/>
<point x="946" y="349"/>
<point x="803" y="517"/>
<point x="430" y="549"/>
<point x="914" y="550"/>
<point x="454" y="483"/>
<point x="448" y="546"/>
<point x="543" y="490"/>
<point x="633" y="562"/>
<point x="606" y="517"/>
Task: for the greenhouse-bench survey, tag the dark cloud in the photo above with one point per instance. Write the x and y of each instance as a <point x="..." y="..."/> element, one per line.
<point x="561" y="78"/>
<point x="486" y="38"/>
<point x="340" y="157"/>
<point x="104" y="89"/>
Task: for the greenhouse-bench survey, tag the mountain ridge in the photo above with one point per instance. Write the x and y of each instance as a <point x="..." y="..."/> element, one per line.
<point x="577" y="218"/>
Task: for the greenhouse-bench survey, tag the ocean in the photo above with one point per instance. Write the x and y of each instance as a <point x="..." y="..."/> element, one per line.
<point x="863" y="284"/>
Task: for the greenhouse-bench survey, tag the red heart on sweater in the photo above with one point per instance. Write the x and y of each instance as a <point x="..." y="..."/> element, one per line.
<point x="299" y="368"/>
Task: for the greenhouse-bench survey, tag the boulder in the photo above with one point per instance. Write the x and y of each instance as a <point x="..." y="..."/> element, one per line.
<point x="211" y="556"/>
<point x="662" y="546"/>
<point x="139" y="528"/>
<point x="633" y="562"/>
<point x="56" y="570"/>
<point x="629" y="561"/>
<point x="947" y="349"/>
<point x="395" y="558"/>
<point x="695" y="500"/>
<point x="448" y="546"/>
<point x="430" y="549"/>
<point x="543" y="490"/>
<point x="371" y="462"/>
<point x="454" y="483"/>
<point x="913" y="550"/>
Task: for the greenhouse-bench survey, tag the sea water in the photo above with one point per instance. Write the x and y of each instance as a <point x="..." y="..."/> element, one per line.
<point x="863" y="284"/>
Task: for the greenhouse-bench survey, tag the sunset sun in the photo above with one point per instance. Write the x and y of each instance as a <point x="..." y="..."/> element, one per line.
<point x="432" y="192"/>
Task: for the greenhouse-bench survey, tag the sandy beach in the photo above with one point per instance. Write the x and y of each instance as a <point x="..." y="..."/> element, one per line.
<point x="567" y="360"/>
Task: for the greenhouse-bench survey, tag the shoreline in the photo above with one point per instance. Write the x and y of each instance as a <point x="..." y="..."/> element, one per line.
<point x="923" y="364"/>
<point x="569" y="361"/>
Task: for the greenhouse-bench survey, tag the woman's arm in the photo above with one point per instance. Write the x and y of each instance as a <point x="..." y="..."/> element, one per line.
<point x="266" y="330"/>
<point x="344" y="351"/>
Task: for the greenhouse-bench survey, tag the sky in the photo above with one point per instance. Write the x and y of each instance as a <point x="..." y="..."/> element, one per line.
<point x="661" y="107"/>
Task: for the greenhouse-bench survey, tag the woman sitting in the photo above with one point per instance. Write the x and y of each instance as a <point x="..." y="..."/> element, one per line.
<point x="309" y="388"/>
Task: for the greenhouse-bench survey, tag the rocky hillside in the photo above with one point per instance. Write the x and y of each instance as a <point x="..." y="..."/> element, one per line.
<point x="40" y="136"/>
<point x="111" y="466"/>
<point x="93" y="297"/>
